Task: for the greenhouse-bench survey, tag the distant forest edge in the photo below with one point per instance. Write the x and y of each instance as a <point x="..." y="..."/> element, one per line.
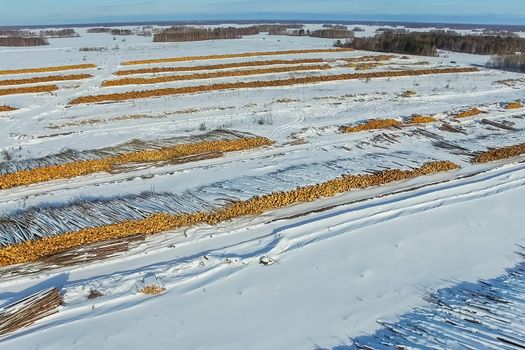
<point x="12" y="37"/>
<point x="428" y="43"/>
<point x="185" y="33"/>
<point x="406" y="24"/>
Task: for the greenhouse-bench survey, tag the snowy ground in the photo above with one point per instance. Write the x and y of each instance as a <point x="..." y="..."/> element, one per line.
<point x="340" y="263"/>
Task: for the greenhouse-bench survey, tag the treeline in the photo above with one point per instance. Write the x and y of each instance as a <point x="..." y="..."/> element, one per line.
<point x="22" y="41"/>
<point x="513" y="63"/>
<point x="179" y="34"/>
<point x="121" y="32"/>
<point x="60" y="33"/>
<point x="112" y="31"/>
<point x="98" y="30"/>
<point x="332" y="33"/>
<point x="427" y="44"/>
<point x="16" y="33"/>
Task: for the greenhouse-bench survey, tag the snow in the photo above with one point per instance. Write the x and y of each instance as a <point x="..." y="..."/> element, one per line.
<point x="339" y="263"/>
<point x="336" y="273"/>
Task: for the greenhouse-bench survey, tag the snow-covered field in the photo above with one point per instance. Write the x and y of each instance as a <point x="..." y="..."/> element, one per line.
<point x="312" y="275"/>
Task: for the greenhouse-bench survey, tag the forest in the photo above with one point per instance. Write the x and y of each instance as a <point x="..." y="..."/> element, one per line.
<point x="428" y="44"/>
<point x="336" y="32"/>
<point x="185" y="33"/>
<point x="22" y="41"/>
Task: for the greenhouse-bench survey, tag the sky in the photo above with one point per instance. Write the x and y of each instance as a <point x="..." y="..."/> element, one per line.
<point x="34" y="12"/>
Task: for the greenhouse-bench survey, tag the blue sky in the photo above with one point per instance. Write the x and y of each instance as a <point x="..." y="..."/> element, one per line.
<point x="19" y="12"/>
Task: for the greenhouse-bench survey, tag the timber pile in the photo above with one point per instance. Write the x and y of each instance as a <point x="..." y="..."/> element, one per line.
<point x="45" y="79"/>
<point x="123" y="96"/>
<point x="28" y="90"/>
<point x="514" y="105"/>
<point x="79" y="168"/>
<point x="217" y="66"/>
<point x="34" y="250"/>
<point x="4" y="108"/>
<point x="376" y="58"/>
<point x="152" y="290"/>
<point x="211" y="75"/>
<point x="46" y="69"/>
<point x="25" y="312"/>
<point x="363" y="66"/>
<point x="76" y="256"/>
<point x="232" y="55"/>
<point x="421" y="119"/>
<point x="468" y="113"/>
<point x="372" y="124"/>
<point x="500" y="153"/>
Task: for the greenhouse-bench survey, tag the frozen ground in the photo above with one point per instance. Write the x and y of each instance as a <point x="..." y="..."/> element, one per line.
<point x="339" y="263"/>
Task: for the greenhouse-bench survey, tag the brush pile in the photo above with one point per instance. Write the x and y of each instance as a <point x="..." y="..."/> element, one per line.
<point x="33" y="250"/>
<point x="231" y="55"/>
<point x="483" y="315"/>
<point x="46" y="69"/>
<point x="211" y="75"/>
<point x="218" y="66"/>
<point x="45" y="79"/>
<point x="500" y="153"/>
<point x="372" y="124"/>
<point x="123" y="96"/>
<point x="27" y="311"/>
<point x="28" y="90"/>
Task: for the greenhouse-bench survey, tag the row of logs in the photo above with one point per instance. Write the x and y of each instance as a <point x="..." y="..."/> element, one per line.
<point x="157" y="223"/>
<point x="28" y="90"/>
<point x="74" y="169"/>
<point x="232" y="55"/>
<point x="45" y="79"/>
<point x="217" y="66"/>
<point x="46" y="69"/>
<point x="500" y="153"/>
<point x="123" y="96"/>
<point x="211" y="75"/>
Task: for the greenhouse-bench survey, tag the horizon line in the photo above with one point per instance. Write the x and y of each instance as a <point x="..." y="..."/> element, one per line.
<point x="255" y="21"/>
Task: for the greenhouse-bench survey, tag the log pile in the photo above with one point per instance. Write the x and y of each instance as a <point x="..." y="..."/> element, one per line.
<point x="37" y="249"/>
<point x="76" y="256"/>
<point x="371" y="58"/>
<point x="468" y="113"/>
<point x="514" y="105"/>
<point x="232" y="55"/>
<point x="211" y="75"/>
<point x="132" y="95"/>
<point x="152" y="290"/>
<point x="46" y="69"/>
<point x="5" y="108"/>
<point x="372" y="124"/>
<point x="28" y="90"/>
<point x="500" y="153"/>
<point x="79" y="168"/>
<point x="421" y="119"/>
<point x="217" y="66"/>
<point x="45" y="79"/>
<point x="29" y="310"/>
